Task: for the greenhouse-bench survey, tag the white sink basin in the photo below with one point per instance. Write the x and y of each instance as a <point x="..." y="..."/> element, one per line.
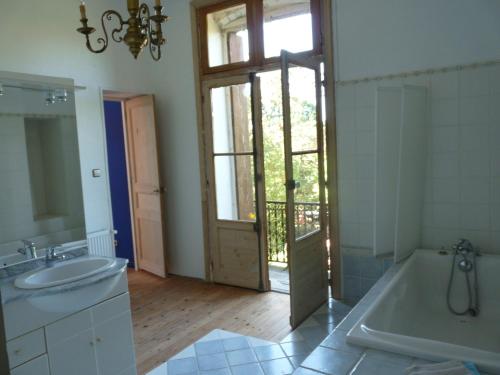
<point x="64" y="272"/>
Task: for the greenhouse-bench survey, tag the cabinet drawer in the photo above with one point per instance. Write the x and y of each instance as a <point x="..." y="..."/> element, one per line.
<point x="38" y="366"/>
<point x="26" y="347"/>
<point x="111" y="308"/>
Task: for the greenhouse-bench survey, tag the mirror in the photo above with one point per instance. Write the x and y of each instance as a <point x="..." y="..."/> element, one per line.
<point x="40" y="180"/>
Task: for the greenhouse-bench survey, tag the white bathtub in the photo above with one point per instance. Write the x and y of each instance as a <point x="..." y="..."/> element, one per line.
<point x="410" y="315"/>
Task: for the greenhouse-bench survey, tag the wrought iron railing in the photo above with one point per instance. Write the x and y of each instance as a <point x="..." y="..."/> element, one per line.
<point x="307" y="220"/>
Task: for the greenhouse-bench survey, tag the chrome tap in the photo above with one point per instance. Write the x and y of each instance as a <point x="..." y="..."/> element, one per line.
<point x="51" y="255"/>
<point x="464" y="247"/>
<point x="28" y="250"/>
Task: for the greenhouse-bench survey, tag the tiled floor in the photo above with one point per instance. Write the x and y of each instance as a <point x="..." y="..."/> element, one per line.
<point x="226" y="353"/>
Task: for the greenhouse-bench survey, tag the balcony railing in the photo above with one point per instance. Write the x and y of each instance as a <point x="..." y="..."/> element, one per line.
<point x="307" y="219"/>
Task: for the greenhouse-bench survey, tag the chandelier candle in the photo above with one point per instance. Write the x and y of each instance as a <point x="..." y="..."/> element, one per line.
<point x="143" y="28"/>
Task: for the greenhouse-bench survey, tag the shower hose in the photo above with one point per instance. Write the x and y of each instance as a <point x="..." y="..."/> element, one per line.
<point x="473" y="295"/>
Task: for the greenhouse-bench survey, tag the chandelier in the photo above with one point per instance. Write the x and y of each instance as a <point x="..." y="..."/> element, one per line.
<point x="143" y="28"/>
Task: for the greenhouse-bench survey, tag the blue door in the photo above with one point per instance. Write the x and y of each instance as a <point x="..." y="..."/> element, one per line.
<point x="118" y="176"/>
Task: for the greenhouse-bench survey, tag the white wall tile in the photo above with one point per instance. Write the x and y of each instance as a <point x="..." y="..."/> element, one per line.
<point x="445" y="139"/>
<point x="495" y="190"/>
<point x="365" y="94"/>
<point x="446" y="190"/>
<point x="494" y="79"/>
<point x="345" y="117"/>
<point x="445" y="165"/>
<point x="444" y="112"/>
<point x="480" y="239"/>
<point x="349" y="211"/>
<point x="345" y="96"/>
<point x="495" y="217"/>
<point x="365" y="142"/>
<point x="475" y="217"/>
<point x="365" y="118"/>
<point x="475" y="164"/>
<point x="474" y="111"/>
<point x="474" y="82"/>
<point x="494" y="109"/>
<point x="474" y="138"/>
<point x="495" y="242"/>
<point x="475" y="190"/>
<point x="365" y="167"/>
<point x="446" y="215"/>
<point x="444" y="85"/>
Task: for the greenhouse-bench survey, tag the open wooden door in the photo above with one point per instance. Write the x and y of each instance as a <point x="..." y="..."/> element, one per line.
<point x="235" y="182"/>
<point x="304" y="167"/>
<point x="147" y="192"/>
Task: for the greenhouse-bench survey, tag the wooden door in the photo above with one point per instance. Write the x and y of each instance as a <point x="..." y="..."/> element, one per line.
<point x="235" y="182"/>
<point x="305" y="197"/>
<point x="147" y="192"/>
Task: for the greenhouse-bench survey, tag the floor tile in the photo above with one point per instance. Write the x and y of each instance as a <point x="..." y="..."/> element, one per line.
<point x="296" y="347"/>
<point x="314" y="335"/>
<point x="212" y="361"/>
<point x="330" y="361"/>
<point x="337" y="340"/>
<point x="255" y="342"/>
<point x="235" y="343"/>
<point x="297" y="360"/>
<point x="248" y="369"/>
<point x="281" y="366"/>
<point x="222" y="371"/>
<point x="186" y="353"/>
<point x="160" y="370"/>
<point x="293" y="336"/>
<point x="241" y="357"/>
<point x="208" y="347"/>
<point x="306" y="371"/>
<point x="182" y="366"/>
<point x="266" y="353"/>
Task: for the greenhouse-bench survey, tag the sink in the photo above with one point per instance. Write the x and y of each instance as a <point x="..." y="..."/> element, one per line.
<point x="64" y="272"/>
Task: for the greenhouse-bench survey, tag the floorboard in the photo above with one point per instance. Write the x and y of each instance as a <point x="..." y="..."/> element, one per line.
<point x="170" y="314"/>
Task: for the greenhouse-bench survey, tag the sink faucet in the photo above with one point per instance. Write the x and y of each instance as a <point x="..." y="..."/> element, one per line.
<point x="28" y="249"/>
<point x="52" y="257"/>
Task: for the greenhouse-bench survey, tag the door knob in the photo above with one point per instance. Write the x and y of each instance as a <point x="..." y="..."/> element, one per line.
<point x="161" y="189"/>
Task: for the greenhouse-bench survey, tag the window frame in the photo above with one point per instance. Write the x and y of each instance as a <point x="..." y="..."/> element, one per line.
<point x="255" y="26"/>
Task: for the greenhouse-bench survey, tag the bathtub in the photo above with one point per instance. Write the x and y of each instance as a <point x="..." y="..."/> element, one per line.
<point x="410" y="315"/>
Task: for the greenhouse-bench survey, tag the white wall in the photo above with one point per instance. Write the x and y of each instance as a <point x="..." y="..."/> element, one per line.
<point x="174" y="85"/>
<point x="389" y="36"/>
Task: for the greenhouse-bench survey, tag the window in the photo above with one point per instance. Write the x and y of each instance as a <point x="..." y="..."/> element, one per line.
<point x="236" y="34"/>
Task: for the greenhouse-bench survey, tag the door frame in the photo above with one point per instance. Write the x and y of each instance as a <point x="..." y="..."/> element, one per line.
<point x="213" y="222"/>
<point x="327" y="34"/>
<point x="122" y="97"/>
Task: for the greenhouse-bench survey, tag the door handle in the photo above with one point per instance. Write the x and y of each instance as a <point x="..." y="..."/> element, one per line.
<point x="160" y="190"/>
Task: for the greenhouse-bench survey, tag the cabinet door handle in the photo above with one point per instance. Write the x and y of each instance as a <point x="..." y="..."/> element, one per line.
<point x="98" y="339"/>
<point x="17" y="351"/>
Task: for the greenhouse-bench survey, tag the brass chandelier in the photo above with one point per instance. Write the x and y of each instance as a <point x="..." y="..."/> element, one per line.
<point x="143" y="28"/>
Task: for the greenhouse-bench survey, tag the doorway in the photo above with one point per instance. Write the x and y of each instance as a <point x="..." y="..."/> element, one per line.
<point x="137" y="195"/>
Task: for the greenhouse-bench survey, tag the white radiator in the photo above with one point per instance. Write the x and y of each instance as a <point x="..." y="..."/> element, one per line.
<point x="101" y="243"/>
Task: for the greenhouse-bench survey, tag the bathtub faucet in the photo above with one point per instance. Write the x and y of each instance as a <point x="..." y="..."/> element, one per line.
<point x="464" y="246"/>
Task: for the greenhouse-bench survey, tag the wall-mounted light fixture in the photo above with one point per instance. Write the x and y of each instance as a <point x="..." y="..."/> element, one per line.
<point x="56" y="96"/>
<point x="143" y="28"/>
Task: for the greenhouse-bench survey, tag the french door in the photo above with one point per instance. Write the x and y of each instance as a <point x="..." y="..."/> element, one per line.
<point x="235" y="181"/>
<point x="305" y="185"/>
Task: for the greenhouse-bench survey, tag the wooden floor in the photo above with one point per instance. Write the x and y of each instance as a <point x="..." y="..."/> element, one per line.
<point x="170" y="314"/>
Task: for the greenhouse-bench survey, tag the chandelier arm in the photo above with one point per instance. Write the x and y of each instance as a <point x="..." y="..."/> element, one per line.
<point x="108" y="15"/>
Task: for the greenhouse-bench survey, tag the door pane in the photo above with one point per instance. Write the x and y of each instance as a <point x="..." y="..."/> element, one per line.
<point x="232" y="119"/>
<point x="235" y="187"/>
<point x="303" y="109"/>
<point x="288" y="26"/>
<point x="227" y="36"/>
<point x="307" y="198"/>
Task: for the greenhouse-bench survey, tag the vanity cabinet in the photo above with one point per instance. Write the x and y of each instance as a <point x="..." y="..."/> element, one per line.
<point x="96" y="341"/>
